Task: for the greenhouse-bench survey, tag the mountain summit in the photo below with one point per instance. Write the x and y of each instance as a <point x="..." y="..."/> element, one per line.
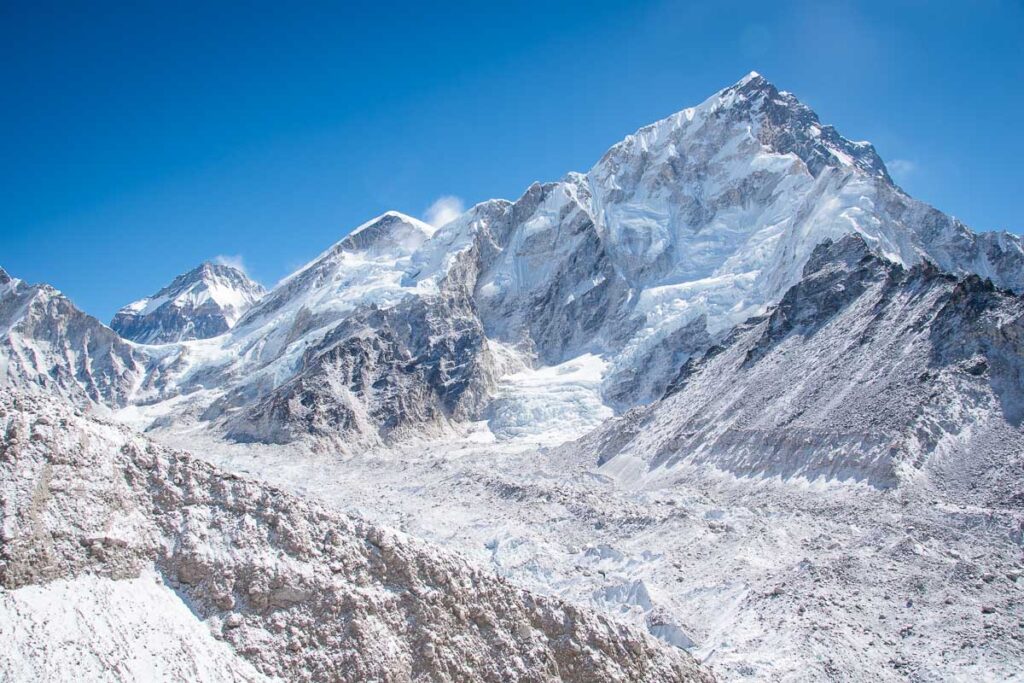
<point x="204" y="302"/>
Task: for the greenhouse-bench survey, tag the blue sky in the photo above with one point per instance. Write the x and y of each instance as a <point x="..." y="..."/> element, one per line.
<point x="140" y="141"/>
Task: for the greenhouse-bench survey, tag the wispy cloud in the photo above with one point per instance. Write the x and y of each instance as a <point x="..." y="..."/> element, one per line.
<point x="443" y="210"/>
<point x="234" y="261"/>
<point x="902" y="169"/>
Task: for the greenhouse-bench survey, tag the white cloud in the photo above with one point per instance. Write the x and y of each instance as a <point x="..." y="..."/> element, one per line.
<point x="234" y="261"/>
<point x="902" y="169"/>
<point x="444" y="210"/>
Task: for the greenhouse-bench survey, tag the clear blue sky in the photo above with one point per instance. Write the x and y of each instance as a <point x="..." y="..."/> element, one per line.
<point x="138" y="142"/>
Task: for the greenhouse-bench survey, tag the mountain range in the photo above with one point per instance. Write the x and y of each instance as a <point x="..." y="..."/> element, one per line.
<point x="736" y="290"/>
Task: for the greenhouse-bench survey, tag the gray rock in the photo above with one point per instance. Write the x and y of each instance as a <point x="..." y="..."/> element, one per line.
<point x="202" y="303"/>
<point x="322" y="596"/>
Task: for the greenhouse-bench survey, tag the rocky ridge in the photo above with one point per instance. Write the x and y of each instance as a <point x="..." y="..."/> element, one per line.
<point x="865" y="371"/>
<point x="50" y="346"/>
<point x="297" y="591"/>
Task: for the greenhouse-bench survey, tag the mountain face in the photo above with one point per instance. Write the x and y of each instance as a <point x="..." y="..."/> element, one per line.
<point x="343" y="353"/>
<point x="687" y="228"/>
<point x="202" y="303"/>
<point x="679" y="233"/>
<point x="49" y="346"/>
<point x="864" y="371"/>
<point x="276" y="588"/>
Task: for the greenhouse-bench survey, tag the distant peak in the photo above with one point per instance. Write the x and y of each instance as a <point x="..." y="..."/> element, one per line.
<point x="208" y="270"/>
<point x="201" y="303"/>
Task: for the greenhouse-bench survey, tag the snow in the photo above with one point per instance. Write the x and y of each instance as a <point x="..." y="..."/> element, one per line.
<point x="697" y="549"/>
<point x="204" y="302"/>
<point x="95" y="629"/>
<point x="291" y="587"/>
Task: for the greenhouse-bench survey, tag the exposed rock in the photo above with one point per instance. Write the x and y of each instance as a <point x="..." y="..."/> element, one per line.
<point x="202" y="303"/>
<point x="395" y="610"/>
<point x="48" y="345"/>
<point x="855" y="375"/>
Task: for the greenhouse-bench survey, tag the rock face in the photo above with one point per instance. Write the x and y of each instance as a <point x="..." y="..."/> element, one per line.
<point x="202" y="303"/>
<point x="864" y="371"/>
<point x="298" y="592"/>
<point x="50" y="346"/>
<point x="342" y="353"/>
<point x="424" y="362"/>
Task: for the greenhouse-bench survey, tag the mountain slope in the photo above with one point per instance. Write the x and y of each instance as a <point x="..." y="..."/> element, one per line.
<point x="204" y="302"/>
<point x="48" y="345"/>
<point x="295" y="590"/>
<point x="864" y="371"/>
<point x="342" y="353"/>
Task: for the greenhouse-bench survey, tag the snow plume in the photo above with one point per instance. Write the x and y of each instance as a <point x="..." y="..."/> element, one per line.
<point x="444" y="210"/>
<point x="232" y="261"/>
<point x="901" y="169"/>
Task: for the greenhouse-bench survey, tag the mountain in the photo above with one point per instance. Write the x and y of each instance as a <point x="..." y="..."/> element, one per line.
<point x="49" y="346"/>
<point x="202" y="303"/>
<point x="342" y="353"/>
<point x="677" y="234"/>
<point x="139" y="542"/>
<point x="865" y="371"/>
<point x="688" y="227"/>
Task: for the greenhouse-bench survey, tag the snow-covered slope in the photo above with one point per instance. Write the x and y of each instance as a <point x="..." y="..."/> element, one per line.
<point x="342" y="353"/>
<point x="832" y="494"/>
<point x="685" y="229"/>
<point x="815" y="473"/>
<point x="204" y="302"/>
<point x="865" y="371"/>
<point x="97" y="516"/>
<point x="90" y="628"/>
<point x="48" y="345"/>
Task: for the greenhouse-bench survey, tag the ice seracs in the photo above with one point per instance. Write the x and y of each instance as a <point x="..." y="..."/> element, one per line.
<point x="202" y="303"/>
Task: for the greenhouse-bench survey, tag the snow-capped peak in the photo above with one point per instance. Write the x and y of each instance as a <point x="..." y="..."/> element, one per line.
<point x="390" y="231"/>
<point x="365" y="267"/>
<point x="204" y="302"/>
<point x="749" y="77"/>
<point x="388" y="217"/>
